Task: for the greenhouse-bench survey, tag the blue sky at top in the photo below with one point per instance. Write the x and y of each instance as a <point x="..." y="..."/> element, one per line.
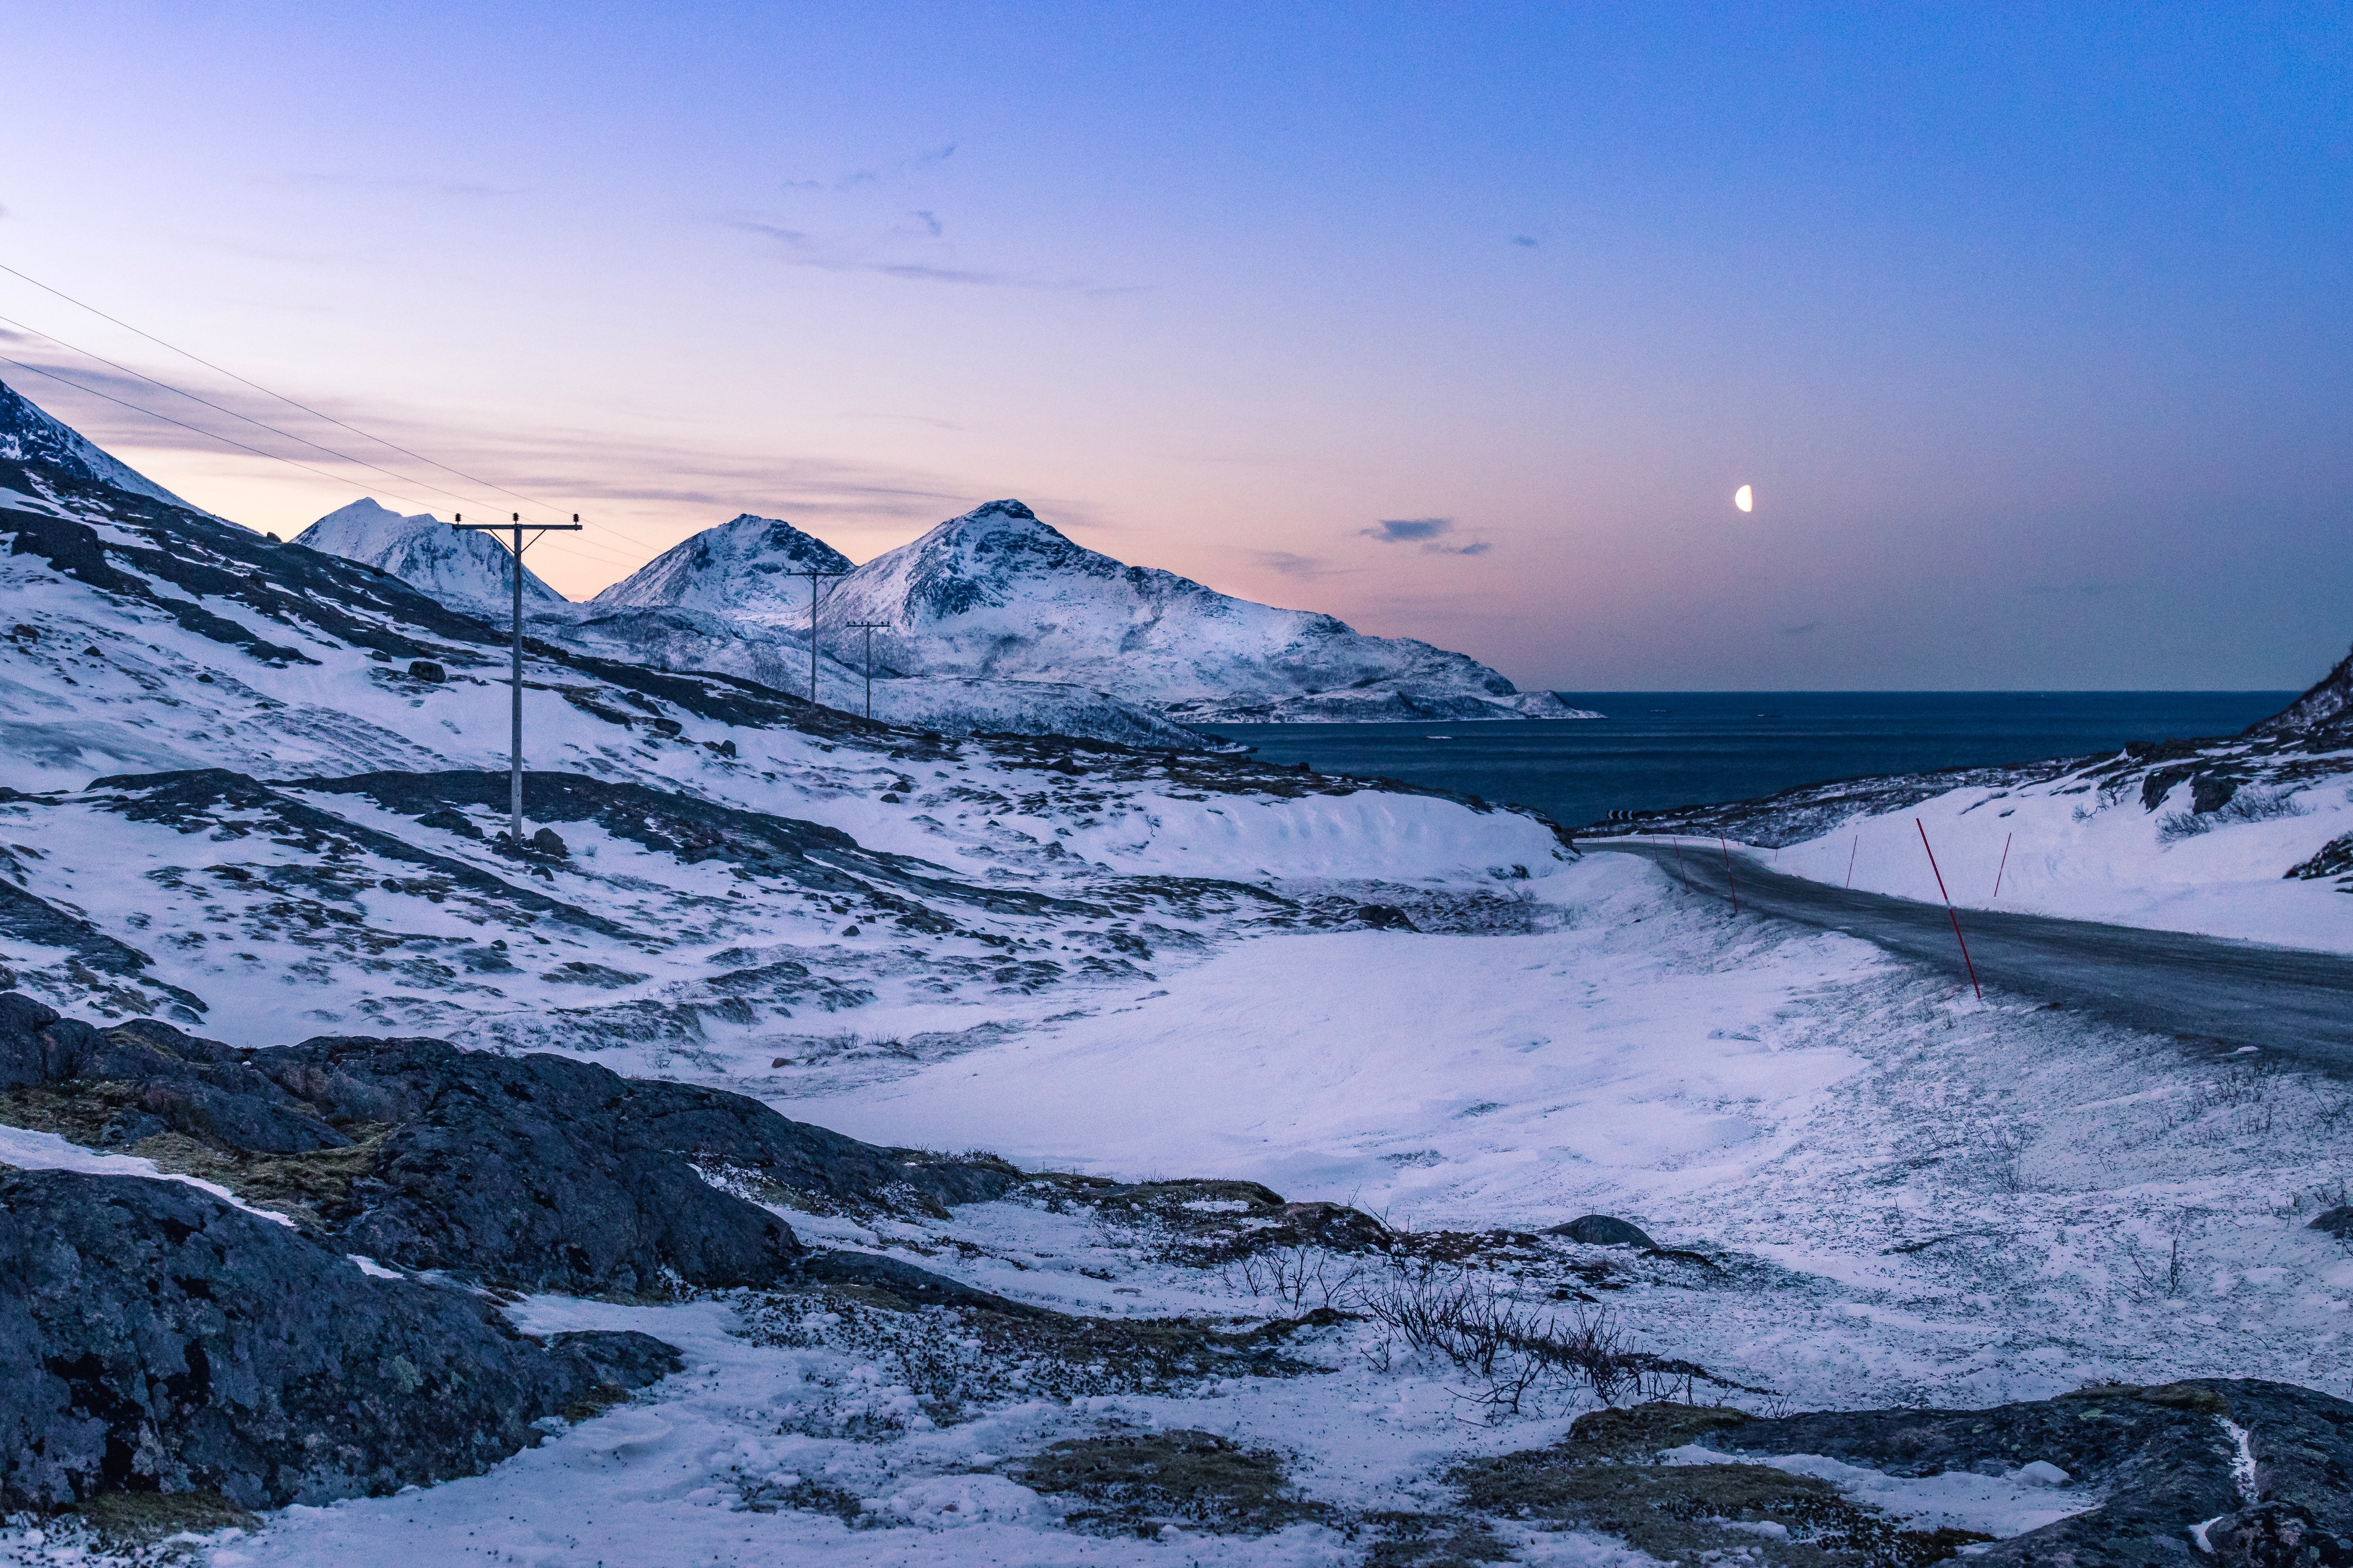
<point x="2030" y="325"/>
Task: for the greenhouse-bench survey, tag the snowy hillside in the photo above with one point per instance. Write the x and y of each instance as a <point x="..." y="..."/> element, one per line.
<point x="29" y="436"/>
<point x="740" y="568"/>
<point x="1280" y="1074"/>
<point x="155" y="647"/>
<point x="460" y="568"/>
<point x="2248" y="836"/>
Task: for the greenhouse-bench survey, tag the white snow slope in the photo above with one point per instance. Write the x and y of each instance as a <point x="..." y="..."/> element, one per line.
<point x="460" y="568"/>
<point x="2073" y="853"/>
<point x="1090" y="958"/>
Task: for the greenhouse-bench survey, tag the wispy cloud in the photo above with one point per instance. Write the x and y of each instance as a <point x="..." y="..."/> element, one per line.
<point x="405" y="183"/>
<point x="1528" y="240"/>
<point x="918" y="272"/>
<point x="931" y="221"/>
<point x="907" y="418"/>
<point x="836" y="257"/>
<point x="1290" y="565"/>
<point x="1407" y="530"/>
<point x="1801" y="629"/>
<point x="877" y="174"/>
<point x="770" y="231"/>
<point x="1425" y="532"/>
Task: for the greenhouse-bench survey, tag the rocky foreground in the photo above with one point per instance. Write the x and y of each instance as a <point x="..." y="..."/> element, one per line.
<point x="314" y="1311"/>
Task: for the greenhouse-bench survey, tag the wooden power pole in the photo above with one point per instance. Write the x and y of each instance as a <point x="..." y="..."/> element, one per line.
<point x="518" y="527"/>
<point x="869" y="628"/>
<point x="813" y="573"/>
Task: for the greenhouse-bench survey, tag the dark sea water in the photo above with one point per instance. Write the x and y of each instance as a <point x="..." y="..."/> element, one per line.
<point x="1692" y="748"/>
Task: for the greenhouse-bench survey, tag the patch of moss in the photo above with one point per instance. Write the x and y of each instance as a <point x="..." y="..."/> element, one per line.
<point x="1136" y="1483"/>
<point x="2171" y="1396"/>
<point x="1642" y="1430"/>
<point x="142" y="1519"/>
<point x="1684" y="1511"/>
<point x="1430" y="1541"/>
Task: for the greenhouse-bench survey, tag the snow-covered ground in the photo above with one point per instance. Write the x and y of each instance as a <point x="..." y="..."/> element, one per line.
<point x="1903" y="1196"/>
<point x="1875" y="1190"/>
<point x="2075" y="854"/>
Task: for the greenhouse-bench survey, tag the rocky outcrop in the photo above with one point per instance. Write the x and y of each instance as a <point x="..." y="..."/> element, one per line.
<point x="29" y="436"/>
<point x="2229" y="1470"/>
<point x="2328" y="704"/>
<point x="535" y="1173"/>
<point x="158" y="1338"/>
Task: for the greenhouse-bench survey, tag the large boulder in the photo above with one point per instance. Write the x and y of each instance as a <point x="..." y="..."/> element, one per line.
<point x="535" y="1173"/>
<point x="157" y="1338"/>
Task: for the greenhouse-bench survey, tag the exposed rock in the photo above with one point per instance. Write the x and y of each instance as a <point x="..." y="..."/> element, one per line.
<point x="159" y="1339"/>
<point x="1603" y="1230"/>
<point x="1385" y="917"/>
<point x="2157" y="1463"/>
<point x="533" y="1172"/>
<point x="2338" y="1222"/>
<point x="2160" y="1457"/>
<point x="425" y="669"/>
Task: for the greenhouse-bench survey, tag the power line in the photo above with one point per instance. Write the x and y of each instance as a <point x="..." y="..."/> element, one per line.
<point x="279" y="396"/>
<point x="198" y="430"/>
<point x="588" y="549"/>
<point x="250" y="420"/>
<point x="611" y="556"/>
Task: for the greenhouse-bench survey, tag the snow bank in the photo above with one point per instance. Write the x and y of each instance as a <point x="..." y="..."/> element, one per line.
<point x="2073" y="853"/>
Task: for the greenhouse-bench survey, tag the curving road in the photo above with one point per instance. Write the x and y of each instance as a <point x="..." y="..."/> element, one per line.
<point x="2197" y="987"/>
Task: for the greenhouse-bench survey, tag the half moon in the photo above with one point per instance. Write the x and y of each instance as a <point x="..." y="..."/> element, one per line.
<point x="1745" y="499"/>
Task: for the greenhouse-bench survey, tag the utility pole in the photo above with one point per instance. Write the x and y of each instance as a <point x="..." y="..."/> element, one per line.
<point x="813" y="573"/>
<point x="517" y="526"/>
<point x="869" y="628"/>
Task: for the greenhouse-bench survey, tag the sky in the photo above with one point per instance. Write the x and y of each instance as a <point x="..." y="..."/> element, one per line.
<point x="2029" y="326"/>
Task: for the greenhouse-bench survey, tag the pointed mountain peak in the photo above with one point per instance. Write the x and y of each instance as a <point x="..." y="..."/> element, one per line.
<point x="462" y="569"/>
<point x="1005" y="536"/>
<point x="749" y="566"/>
<point x="27" y="434"/>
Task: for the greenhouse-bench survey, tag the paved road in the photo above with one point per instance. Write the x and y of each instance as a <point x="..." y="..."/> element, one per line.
<point x="2199" y="987"/>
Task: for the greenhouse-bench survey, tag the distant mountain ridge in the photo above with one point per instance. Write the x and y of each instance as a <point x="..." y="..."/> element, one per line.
<point x="29" y="436"/>
<point x="460" y="568"/>
<point x="999" y="594"/>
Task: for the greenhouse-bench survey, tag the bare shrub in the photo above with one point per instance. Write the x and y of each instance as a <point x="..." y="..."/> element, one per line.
<point x="1516" y="1350"/>
<point x="2255" y="804"/>
<point x="1301" y="1278"/>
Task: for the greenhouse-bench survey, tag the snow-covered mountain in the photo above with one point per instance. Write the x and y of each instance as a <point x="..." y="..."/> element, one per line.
<point x="724" y="842"/>
<point x="685" y="639"/>
<point x="740" y="568"/>
<point x="29" y="436"/>
<point x="999" y="594"/>
<point x="461" y="568"/>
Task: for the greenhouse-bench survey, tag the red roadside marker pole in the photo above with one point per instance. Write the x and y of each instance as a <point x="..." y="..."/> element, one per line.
<point x="1679" y="865"/>
<point x="1850" y="860"/>
<point x="2005" y="863"/>
<point x="1948" y="911"/>
<point x="1728" y="881"/>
